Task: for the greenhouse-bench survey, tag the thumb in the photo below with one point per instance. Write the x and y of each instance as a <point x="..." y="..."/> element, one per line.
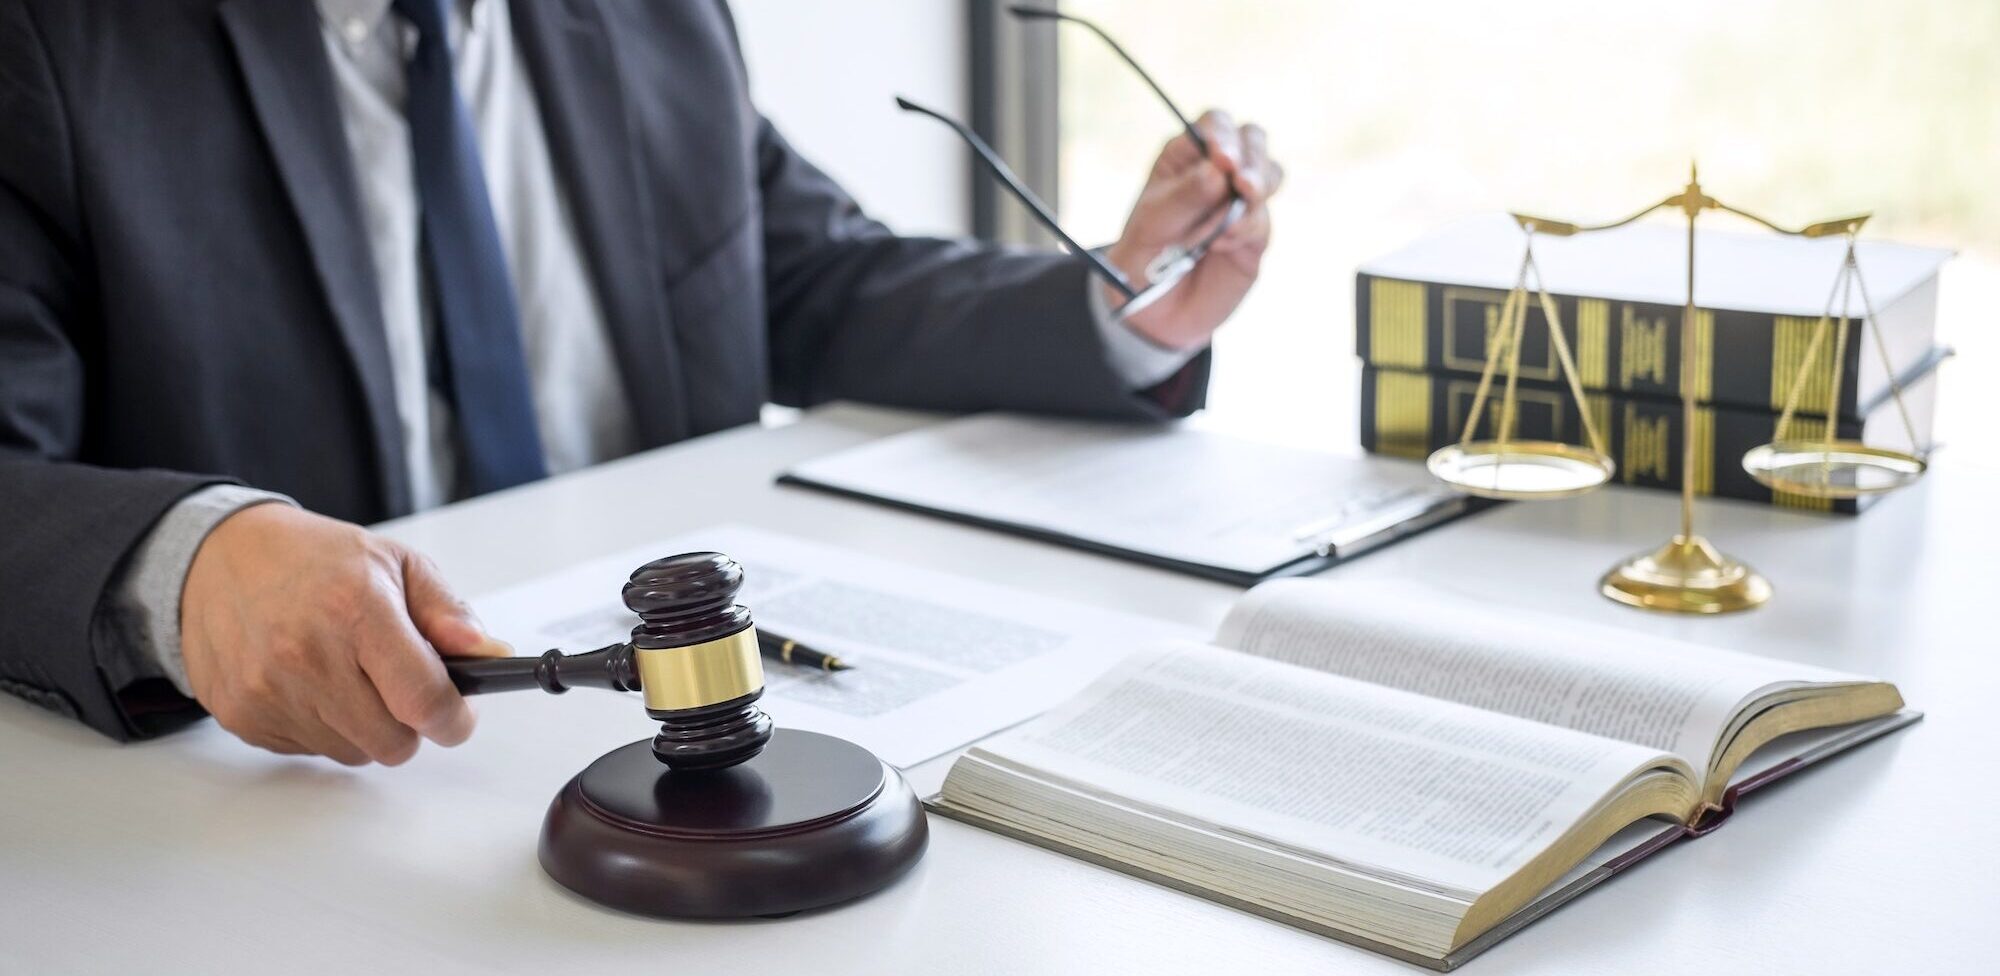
<point x="1189" y="199"/>
<point x="444" y="619"/>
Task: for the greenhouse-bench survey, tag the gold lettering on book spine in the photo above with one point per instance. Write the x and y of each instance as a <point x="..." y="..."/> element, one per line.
<point x="1646" y="447"/>
<point x="1593" y="344"/>
<point x="1396" y="323"/>
<point x="1402" y="413"/>
<point x="1599" y="405"/>
<point x="1790" y="338"/>
<point x="1488" y="305"/>
<point x="1704" y="355"/>
<point x="1642" y="349"/>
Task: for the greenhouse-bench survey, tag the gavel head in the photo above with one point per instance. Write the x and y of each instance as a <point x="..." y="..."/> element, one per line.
<point x="695" y="652"/>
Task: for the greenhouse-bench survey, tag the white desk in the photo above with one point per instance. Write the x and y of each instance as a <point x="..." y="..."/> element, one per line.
<point x="195" y="853"/>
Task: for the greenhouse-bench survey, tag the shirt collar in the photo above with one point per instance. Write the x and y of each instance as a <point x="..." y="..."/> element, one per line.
<point x="340" y="13"/>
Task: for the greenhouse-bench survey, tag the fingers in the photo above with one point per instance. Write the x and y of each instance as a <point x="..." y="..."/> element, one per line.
<point x="1218" y="131"/>
<point x="1177" y="156"/>
<point x="296" y="698"/>
<point x="1249" y="236"/>
<point x="351" y="707"/>
<point x="1253" y="175"/>
<point x="1193" y="200"/>
<point x="1260" y="175"/>
<point x="411" y="682"/>
<point x="1240" y="154"/>
<point x="404" y="667"/>
<point x="315" y="737"/>
<point x="1225" y="139"/>
<point x="302" y="737"/>
<point x="441" y="617"/>
<point x="1214" y="218"/>
<point x="282" y="746"/>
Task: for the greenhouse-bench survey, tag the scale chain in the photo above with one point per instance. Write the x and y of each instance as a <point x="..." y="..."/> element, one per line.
<point x="1496" y="342"/>
<point x="1874" y="327"/>
<point x="1510" y="401"/>
<point x="1804" y="371"/>
<point x="1834" y="372"/>
<point x="1568" y="363"/>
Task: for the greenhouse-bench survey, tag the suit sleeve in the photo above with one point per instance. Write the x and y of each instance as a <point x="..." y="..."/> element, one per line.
<point x="65" y="527"/>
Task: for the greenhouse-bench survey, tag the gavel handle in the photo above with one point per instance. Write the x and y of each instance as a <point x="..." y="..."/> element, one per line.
<point x="609" y="667"/>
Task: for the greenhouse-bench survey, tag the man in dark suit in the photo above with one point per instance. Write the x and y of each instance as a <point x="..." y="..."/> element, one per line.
<point x="274" y="269"/>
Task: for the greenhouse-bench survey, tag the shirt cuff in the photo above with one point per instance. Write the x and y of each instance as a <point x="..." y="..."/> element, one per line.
<point x="1139" y="361"/>
<point x="143" y="606"/>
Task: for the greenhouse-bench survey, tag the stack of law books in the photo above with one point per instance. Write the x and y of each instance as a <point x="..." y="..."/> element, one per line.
<point x="1424" y="314"/>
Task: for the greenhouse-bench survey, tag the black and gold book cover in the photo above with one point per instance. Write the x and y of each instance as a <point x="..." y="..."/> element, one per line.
<point x="1406" y="413"/>
<point x="1742" y="359"/>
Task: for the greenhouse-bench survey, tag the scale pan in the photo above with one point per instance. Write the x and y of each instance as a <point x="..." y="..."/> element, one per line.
<point x="1521" y="470"/>
<point x="1842" y="469"/>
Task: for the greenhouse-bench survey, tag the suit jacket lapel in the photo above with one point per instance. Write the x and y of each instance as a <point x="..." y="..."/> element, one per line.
<point x="571" y="60"/>
<point x="283" y="59"/>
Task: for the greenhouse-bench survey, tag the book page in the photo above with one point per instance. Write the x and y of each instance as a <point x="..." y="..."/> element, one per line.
<point x="1183" y="494"/>
<point x="1355" y="773"/>
<point x="1624" y="685"/>
<point x="939" y="660"/>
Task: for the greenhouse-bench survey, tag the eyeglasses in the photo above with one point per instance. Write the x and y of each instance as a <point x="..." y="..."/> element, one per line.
<point x="1167" y="268"/>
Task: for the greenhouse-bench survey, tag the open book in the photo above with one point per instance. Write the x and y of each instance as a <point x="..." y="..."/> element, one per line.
<point x="1409" y="775"/>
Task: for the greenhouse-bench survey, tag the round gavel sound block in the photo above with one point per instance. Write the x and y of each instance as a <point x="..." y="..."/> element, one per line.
<point x="719" y="816"/>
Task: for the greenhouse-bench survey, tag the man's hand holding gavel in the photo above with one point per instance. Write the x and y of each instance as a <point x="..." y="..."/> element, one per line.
<point x="304" y="634"/>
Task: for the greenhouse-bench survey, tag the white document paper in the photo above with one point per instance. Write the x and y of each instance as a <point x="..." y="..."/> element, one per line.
<point x="1189" y="495"/>
<point x="940" y="661"/>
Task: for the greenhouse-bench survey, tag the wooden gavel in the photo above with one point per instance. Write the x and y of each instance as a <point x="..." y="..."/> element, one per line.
<point x="720" y="815"/>
<point x="693" y="657"/>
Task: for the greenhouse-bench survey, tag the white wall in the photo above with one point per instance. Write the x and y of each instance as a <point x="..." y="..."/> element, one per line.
<point x="827" y="74"/>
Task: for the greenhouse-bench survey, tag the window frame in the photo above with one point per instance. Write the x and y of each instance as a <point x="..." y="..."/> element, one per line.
<point x="1016" y="107"/>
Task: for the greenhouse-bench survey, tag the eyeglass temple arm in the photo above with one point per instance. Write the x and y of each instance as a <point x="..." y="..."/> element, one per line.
<point x="1041" y="13"/>
<point x="1194" y="135"/>
<point x="999" y="168"/>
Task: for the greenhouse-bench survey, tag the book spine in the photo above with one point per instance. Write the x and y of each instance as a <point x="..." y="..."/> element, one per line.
<point x="1620" y="347"/>
<point x="1410" y="414"/>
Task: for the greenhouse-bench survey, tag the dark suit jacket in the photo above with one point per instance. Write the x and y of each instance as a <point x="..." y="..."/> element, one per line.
<point x="186" y="291"/>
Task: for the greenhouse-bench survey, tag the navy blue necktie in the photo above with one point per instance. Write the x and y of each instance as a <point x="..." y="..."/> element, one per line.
<point x="485" y="371"/>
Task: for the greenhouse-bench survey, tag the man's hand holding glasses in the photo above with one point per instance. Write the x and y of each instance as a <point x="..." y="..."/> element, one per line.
<point x="1188" y="197"/>
<point x="1196" y="237"/>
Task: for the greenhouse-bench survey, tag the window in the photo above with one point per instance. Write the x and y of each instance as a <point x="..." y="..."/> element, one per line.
<point x="1395" y="118"/>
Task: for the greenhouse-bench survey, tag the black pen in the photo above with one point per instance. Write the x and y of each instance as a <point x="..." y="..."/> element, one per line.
<point x="792" y="652"/>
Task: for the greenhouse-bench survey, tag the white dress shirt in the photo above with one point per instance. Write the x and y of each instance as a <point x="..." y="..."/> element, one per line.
<point x="580" y="405"/>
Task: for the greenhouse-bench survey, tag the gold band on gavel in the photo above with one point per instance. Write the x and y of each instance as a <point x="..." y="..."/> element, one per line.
<point x="674" y="678"/>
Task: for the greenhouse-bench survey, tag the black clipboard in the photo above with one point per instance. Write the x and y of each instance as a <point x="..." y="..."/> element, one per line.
<point x="1303" y="566"/>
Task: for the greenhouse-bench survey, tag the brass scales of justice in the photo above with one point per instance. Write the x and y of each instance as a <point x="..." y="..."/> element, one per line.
<point x="1688" y="574"/>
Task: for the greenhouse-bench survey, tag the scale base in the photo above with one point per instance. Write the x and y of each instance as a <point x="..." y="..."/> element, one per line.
<point x="808" y="822"/>
<point x="1687" y="575"/>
